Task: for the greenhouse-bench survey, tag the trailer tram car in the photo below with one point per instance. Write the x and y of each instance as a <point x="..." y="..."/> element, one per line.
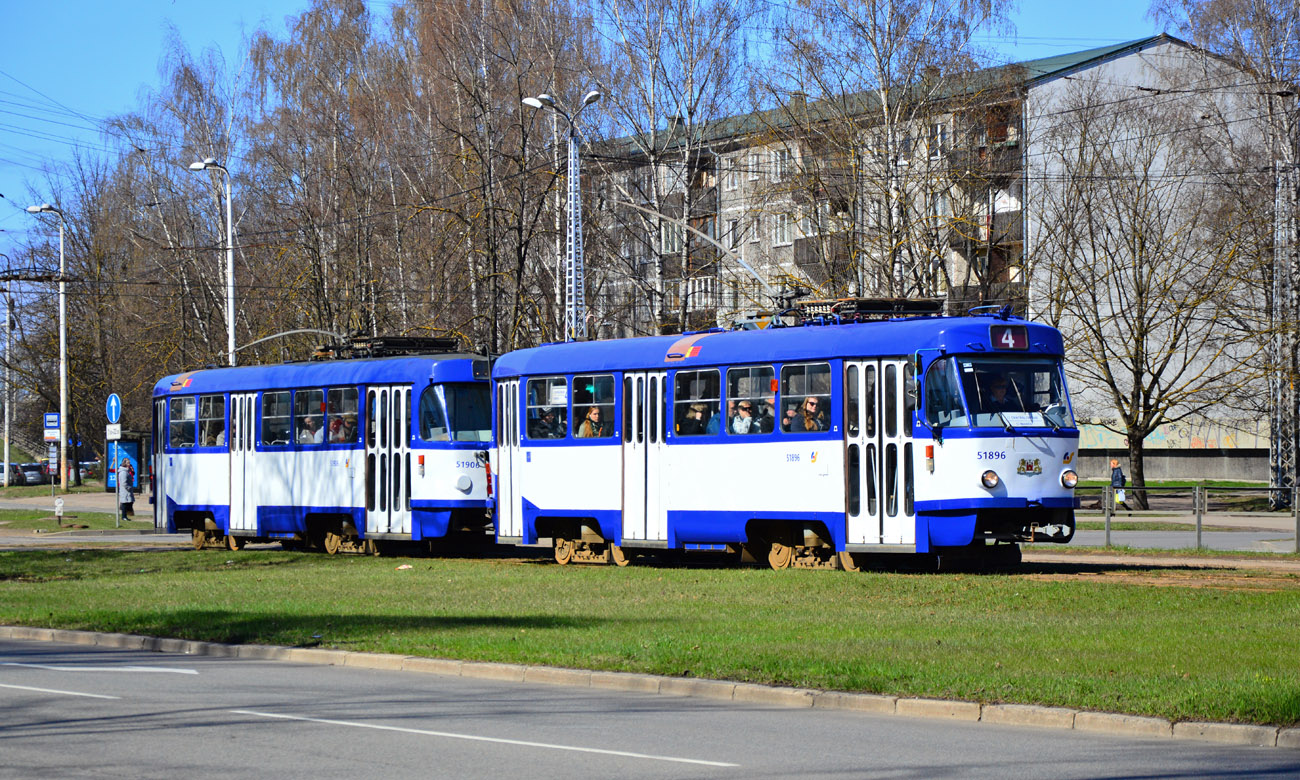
<point x="810" y="446"/>
<point x="352" y="454"/>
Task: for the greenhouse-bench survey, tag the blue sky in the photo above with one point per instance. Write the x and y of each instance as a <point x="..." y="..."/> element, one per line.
<point x="66" y="63"/>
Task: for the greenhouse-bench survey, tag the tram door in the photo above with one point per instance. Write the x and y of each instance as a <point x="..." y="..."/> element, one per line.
<point x="243" y="501"/>
<point x="644" y="515"/>
<point x="159" y="464"/>
<point x="880" y="396"/>
<point x="510" y="520"/>
<point x="388" y="460"/>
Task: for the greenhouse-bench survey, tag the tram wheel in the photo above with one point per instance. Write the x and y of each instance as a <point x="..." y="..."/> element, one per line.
<point x="235" y="543"/>
<point x="779" y="556"/>
<point x="333" y="542"/>
<point x="564" y="550"/>
<point x="619" y="555"/>
<point x="198" y="537"/>
<point x="849" y="563"/>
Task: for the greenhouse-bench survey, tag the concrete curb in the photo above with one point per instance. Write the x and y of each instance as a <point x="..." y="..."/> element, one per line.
<point x="1114" y="724"/>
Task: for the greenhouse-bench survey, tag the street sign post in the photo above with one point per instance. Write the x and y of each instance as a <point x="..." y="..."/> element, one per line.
<point x="113" y="431"/>
<point x="113" y="408"/>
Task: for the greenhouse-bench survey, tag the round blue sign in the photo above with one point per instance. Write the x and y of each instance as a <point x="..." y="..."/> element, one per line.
<point x="113" y="408"/>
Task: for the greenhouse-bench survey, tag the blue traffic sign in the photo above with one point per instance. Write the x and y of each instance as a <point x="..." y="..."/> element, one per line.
<point x="113" y="408"/>
<point x="51" y="419"/>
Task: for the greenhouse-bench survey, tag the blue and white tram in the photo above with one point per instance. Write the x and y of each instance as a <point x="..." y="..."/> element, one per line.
<point x="809" y="446"/>
<point x="340" y="454"/>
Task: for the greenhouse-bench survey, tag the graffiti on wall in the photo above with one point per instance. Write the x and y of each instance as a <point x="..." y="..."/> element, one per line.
<point x="1186" y="435"/>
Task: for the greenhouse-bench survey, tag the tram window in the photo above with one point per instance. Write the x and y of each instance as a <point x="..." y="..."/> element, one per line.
<point x="806" y="397"/>
<point x="501" y="415"/>
<point x="851" y="395"/>
<point x="907" y="479"/>
<point x="891" y="400"/>
<point x="653" y="406"/>
<point x="751" y="399"/>
<point x="909" y="398"/>
<point x="891" y="479"/>
<point x="548" y="407"/>
<point x="942" y="398"/>
<point x="309" y="417"/>
<point x="593" y="406"/>
<point x="855" y="481"/>
<point x="433" y="423"/>
<point x="696" y="402"/>
<point x="627" y="409"/>
<point x="276" y="418"/>
<point x="371" y="400"/>
<point x="640" y="410"/>
<point x="180" y="432"/>
<point x="871" y="480"/>
<point x="212" y="420"/>
<point x="869" y="395"/>
<point x="455" y="411"/>
<point x="342" y="411"/>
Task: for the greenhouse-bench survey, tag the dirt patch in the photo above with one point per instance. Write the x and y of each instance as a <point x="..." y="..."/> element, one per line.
<point x="1263" y="582"/>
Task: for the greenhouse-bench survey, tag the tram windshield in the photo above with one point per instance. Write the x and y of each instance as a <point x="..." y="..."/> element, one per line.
<point x="996" y="392"/>
<point x="456" y="411"/>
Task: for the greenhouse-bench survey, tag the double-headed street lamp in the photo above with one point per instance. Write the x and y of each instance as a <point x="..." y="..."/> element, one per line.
<point x="575" y="315"/>
<point x="46" y="208"/>
<point x="206" y="164"/>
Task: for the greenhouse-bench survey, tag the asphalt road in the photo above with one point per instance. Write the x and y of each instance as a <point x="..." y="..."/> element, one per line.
<point x="87" y="712"/>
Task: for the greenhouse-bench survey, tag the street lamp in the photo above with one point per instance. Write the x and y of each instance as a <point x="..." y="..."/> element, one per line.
<point x="206" y="164"/>
<point x="575" y="320"/>
<point x="46" y="208"/>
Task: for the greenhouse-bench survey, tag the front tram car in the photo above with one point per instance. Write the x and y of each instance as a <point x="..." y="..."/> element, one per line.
<point x="812" y="446"/>
<point x="350" y="454"/>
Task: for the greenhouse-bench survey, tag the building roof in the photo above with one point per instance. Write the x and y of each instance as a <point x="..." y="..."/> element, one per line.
<point x="1011" y="76"/>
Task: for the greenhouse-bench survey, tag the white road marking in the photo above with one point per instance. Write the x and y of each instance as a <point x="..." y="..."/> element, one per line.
<point x="160" y="669"/>
<point x="62" y="693"/>
<point x="476" y="738"/>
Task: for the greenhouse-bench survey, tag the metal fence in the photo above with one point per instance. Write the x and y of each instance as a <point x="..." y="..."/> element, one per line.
<point x="1199" y="501"/>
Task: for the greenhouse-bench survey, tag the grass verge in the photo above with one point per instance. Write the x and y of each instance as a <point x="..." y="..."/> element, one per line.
<point x="42" y="520"/>
<point x="1072" y="635"/>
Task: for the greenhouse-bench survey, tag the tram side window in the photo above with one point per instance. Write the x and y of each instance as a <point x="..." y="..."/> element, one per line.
<point x="309" y="417"/>
<point x="806" y="397"/>
<point x="942" y="398"/>
<point x="548" y="407"/>
<point x="751" y="399"/>
<point x="342" y="415"/>
<point x="180" y="431"/>
<point x="697" y="402"/>
<point x="212" y="420"/>
<point x="276" y="418"/>
<point x="593" y="406"/>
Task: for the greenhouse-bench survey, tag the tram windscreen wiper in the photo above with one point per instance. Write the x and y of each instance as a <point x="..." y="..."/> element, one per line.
<point x="1007" y="426"/>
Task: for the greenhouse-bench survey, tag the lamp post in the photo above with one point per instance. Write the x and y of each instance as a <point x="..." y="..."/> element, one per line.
<point x="206" y="164"/>
<point x="575" y="319"/>
<point x="45" y="208"/>
<point x="9" y="324"/>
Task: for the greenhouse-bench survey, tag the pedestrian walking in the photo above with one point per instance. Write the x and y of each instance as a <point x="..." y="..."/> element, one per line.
<point x="1118" y="481"/>
<point x="125" y="479"/>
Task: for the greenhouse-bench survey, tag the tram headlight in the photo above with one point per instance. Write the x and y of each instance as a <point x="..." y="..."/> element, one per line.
<point x="1069" y="478"/>
<point x="990" y="479"/>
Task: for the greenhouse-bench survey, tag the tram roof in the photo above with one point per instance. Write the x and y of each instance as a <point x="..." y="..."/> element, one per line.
<point x="324" y="373"/>
<point x="966" y="335"/>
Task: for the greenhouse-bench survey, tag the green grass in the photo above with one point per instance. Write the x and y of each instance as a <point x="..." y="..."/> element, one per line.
<point x="34" y="491"/>
<point x="44" y="520"/>
<point x="1056" y="634"/>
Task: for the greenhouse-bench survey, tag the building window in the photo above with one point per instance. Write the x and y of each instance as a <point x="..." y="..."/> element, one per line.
<point x="731" y="180"/>
<point x="780" y="164"/>
<point x="733" y="233"/>
<point x="938" y="140"/>
<point x="781" y="229"/>
<point x="672" y="237"/>
<point x="755" y="164"/>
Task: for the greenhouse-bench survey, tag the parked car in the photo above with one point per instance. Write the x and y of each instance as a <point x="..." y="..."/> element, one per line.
<point x="34" y="474"/>
<point x="16" y="475"/>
